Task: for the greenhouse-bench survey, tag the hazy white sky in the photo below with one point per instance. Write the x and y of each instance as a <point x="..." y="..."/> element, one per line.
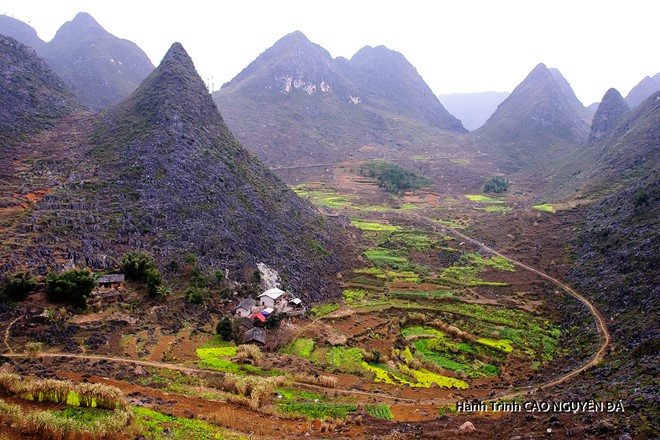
<point x="457" y="46"/>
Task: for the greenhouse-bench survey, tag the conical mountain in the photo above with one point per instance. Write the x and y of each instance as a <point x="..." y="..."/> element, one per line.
<point x="610" y="111"/>
<point x="162" y="172"/>
<point x="643" y="90"/>
<point x="295" y="104"/>
<point x="541" y="117"/>
<point x="98" y="67"/>
<point x="624" y="154"/>
<point x="32" y="97"/>
<point x="389" y="77"/>
<point x="21" y="31"/>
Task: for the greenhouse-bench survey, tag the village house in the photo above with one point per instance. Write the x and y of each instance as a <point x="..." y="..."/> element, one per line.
<point x="274" y="298"/>
<point x="255" y="336"/>
<point x="109" y="290"/>
<point x="244" y="308"/>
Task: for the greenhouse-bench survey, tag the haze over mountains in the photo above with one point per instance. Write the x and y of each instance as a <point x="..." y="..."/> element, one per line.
<point x="473" y="109"/>
<point x="296" y="104"/>
<point x="98" y="67"/>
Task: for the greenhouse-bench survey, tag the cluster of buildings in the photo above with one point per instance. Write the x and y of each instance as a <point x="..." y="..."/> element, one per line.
<point x="252" y="313"/>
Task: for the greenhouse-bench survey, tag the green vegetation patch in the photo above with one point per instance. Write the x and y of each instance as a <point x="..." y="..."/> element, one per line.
<point x="324" y="309"/>
<point x="297" y="395"/>
<point x="374" y="226"/>
<point x="318" y="410"/>
<point x="157" y="426"/>
<point x="422" y="294"/>
<point x="392" y="177"/>
<point x="348" y="360"/>
<point x="384" y="256"/>
<point x="450" y="223"/>
<point x="232" y="367"/>
<point x="499" y="344"/>
<point x="482" y="198"/>
<point x="216" y="352"/>
<point x="84" y="418"/>
<point x="497" y="208"/>
<point x="544" y="208"/>
<point x="380" y="411"/>
<point x="426" y="379"/>
<point x="302" y="347"/>
<point x="418" y="330"/>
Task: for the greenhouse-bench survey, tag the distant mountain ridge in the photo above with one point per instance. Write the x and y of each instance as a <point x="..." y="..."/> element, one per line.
<point x="98" y="67"/>
<point x="541" y="118"/>
<point x="645" y="88"/>
<point x="473" y="109"/>
<point x="295" y="104"/>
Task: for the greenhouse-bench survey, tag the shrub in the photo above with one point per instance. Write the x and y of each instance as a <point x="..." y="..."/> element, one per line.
<point x="328" y="381"/>
<point x="10" y="409"/>
<point x="103" y="396"/>
<point x="641" y="197"/>
<point x="172" y="267"/>
<point x="33" y="348"/>
<point x="196" y="295"/>
<point x="19" y="285"/>
<point x="73" y="286"/>
<point x="136" y="265"/>
<point x="162" y="291"/>
<point x="224" y="329"/>
<point x="154" y="281"/>
<point x="497" y="184"/>
<point x="248" y="351"/>
<point x="10" y="384"/>
<point x="273" y="320"/>
<point x="49" y="390"/>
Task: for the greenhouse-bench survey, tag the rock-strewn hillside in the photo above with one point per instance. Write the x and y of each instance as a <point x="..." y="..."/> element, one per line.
<point x="161" y="171"/>
<point x="32" y="97"/>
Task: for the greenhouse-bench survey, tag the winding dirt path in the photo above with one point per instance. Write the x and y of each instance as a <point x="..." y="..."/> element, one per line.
<point x="6" y="333"/>
<point x="193" y="370"/>
<point x="600" y="320"/>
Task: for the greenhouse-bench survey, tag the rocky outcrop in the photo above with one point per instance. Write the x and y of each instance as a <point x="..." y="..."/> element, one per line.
<point x="611" y="110"/>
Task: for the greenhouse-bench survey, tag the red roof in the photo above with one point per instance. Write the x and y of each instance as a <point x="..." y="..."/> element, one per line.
<point x="260" y="317"/>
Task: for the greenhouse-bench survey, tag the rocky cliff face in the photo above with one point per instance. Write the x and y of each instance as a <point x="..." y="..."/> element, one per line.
<point x="161" y="171"/>
<point x="611" y="110"/>
<point x="32" y="96"/>
<point x="295" y="104"/>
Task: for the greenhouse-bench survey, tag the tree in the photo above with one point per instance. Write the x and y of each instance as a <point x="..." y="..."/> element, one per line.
<point x="136" y="265"/>
<point x="497" y="184"/>
<point x="196" y="295"/>
<point x="19" y="285"/>
<point x="273" y="320"/>
<point x="73" y="286"/>
<point x="640" y="198"/>
<point x="224" y="329"/>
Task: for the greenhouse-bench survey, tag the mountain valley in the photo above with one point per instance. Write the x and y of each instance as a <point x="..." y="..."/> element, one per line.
<point x="318" y="249"/>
